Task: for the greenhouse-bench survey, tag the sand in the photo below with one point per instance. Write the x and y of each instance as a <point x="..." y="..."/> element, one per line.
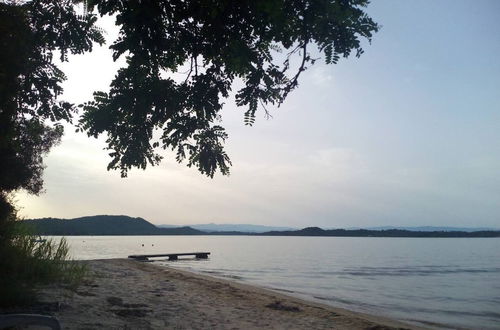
<point x="128" y="294"/>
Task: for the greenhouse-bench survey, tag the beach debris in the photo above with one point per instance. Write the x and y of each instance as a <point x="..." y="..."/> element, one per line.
<point x="383" y="327"/>
<point x="127" y="310"/>
<point x="116" y="301"/>
<point x="85" y="293"/>
<point x="90" y="284"/>
<point x="277" y="305"/>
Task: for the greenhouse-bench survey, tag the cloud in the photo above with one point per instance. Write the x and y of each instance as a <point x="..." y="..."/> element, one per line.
<point x="320" y="76"/>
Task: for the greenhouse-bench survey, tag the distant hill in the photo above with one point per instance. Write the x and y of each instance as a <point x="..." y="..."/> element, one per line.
<point x="430" y="228"/>
<point x="315" y="231"/>
<point x="124" y="225"/>
<point x="246" y="228"/>
<point x="104" y="225"/>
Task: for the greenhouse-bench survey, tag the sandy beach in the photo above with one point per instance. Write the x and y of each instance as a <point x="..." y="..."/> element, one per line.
<point x="127" y="294"/>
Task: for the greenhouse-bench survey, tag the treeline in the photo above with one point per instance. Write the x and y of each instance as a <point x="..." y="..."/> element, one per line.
<point x="103" y="225"/>
<point x="124" y="225"/>
<point x="315" y="231"/>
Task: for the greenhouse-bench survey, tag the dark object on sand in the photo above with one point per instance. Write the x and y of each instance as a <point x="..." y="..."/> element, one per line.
<point x="280" y="307"/>
<point x="171" y="256"/>
<point x="127" y="310"/>
<point x="16" y="320"/>
<point x="116" y="301"/>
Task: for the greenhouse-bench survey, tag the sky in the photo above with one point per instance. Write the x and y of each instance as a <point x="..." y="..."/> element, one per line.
<point x="406" y="135"/>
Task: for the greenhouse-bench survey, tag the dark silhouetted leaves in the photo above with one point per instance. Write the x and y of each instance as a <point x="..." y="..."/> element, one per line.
<point x="210" y="42"/>
<point x="30" y="114"/>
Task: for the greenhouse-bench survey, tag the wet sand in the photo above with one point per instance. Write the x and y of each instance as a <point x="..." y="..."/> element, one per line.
<point x="127" y="294"/>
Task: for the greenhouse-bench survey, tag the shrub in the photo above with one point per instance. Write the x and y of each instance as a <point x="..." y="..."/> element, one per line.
<point x="27" y="260"/>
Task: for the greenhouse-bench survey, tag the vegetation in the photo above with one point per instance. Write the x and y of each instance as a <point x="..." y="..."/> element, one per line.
<point x="315" y="231"/>
<point x="104" y="225"/>
<point x="28" y="261"/>
<point x="211" y="43"/>
<point x="265" y="44"/>
<point x="31" y="32"/>
<point x="124" y="225"/>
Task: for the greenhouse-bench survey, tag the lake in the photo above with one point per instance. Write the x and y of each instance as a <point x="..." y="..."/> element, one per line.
<point x="434" y="282"/>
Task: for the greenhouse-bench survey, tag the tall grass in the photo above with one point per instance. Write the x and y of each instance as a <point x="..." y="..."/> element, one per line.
<point x="26" y="261"/>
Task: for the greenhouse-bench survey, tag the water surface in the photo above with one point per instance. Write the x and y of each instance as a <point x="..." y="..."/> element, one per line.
<point x="451" y="282"/>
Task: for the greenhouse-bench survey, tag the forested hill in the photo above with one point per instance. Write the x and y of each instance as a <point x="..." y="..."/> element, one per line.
<point x="124" y="225"/>
<point x="104" y="225"/>
<point x="315" y="231"/>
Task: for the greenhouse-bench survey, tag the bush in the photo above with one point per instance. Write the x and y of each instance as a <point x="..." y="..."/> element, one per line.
<point x="27" y="260"/>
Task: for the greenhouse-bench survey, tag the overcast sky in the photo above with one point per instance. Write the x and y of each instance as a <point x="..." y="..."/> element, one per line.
<point x="406" y="135"/>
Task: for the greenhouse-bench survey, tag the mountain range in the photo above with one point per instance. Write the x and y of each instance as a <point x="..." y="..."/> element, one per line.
<point x="249" y="228"/>
<point x="246" y="228"/>
<point x="104" y="225"/>
<point x="125" y="225"/>
<point x="429" y="228"/>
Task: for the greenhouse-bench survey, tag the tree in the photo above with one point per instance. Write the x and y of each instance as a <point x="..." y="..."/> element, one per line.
<point x="30" y="114"/>
<point x="215" y="42"/>
<point x="30" y="124"/>
<point x="211" y="42"/>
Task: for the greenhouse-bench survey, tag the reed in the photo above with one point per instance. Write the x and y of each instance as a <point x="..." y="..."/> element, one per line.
<point x="27" y="261"/>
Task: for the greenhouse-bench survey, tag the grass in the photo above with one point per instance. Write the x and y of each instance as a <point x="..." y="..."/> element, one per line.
<point x="27" y="261"/>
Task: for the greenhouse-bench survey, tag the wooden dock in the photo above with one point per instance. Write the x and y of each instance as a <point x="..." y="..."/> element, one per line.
<point x="171" y="256"/>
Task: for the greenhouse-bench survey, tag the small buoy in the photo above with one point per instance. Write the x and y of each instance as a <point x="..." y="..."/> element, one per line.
<point x="152" y="245"/>
<point x="142" y="244"/>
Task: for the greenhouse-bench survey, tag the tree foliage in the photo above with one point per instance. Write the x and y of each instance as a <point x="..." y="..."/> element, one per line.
<point x="209" y="43"/>
<point x="30" y="83"/>
<point x="31" y="33"/>
<point x="212" y="43"/>
<point x="30" y="114"/>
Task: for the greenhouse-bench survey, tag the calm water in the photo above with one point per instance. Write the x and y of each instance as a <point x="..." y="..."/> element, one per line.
<point x="448" y="282"/>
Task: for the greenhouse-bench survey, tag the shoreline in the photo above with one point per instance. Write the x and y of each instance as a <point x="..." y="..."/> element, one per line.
<point x="282" y="294"/>
<point x="123" y="293"/>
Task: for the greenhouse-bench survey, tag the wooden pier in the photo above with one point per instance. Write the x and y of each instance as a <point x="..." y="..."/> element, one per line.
<point x="171" y="256"/>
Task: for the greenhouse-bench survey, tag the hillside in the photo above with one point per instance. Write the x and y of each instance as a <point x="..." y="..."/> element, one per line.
<point x="430" y="228"/>
<point x="124" y="225"/>
<point x="104" y="225"/>
<point x="245" y="228"/>
<point x="315" y="231"/>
